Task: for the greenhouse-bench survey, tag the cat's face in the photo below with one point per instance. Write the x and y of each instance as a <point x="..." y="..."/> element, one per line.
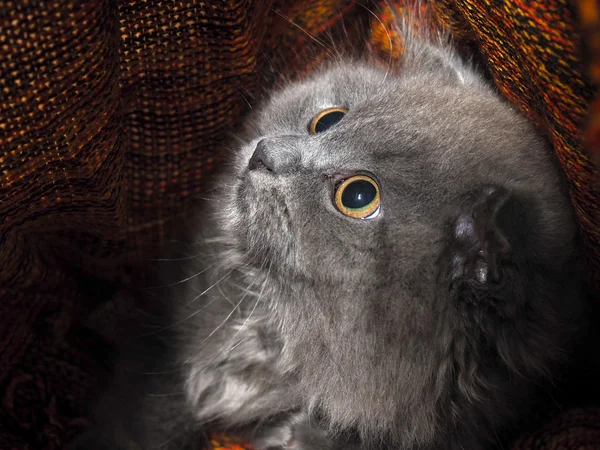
<point x="422" y="142"/>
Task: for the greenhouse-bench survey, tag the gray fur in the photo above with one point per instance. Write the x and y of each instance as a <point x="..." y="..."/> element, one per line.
<point x="426" y="327"/>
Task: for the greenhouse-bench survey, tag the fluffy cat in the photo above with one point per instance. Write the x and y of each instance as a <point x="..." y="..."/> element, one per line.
<point x="391" y="262"/>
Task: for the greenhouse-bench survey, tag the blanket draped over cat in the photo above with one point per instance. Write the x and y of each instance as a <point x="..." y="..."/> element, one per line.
<point x="111" y="115"/>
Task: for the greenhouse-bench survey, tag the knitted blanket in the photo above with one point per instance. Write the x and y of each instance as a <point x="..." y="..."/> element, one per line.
<point x="113" y="113"/>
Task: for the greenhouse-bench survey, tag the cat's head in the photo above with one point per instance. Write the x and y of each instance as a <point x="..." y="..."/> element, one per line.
<point x="358" y="165"/>
<point x="377" y="201"/>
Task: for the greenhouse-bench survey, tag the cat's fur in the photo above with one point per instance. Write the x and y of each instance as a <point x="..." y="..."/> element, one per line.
<point x="429" y="326"/>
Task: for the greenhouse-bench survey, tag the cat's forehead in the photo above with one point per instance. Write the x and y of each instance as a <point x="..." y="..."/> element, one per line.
<point x="370" y="93"/>
<point x="343" y="85"/>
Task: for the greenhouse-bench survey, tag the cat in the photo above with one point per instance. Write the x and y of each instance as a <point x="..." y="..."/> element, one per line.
<point x="390" y="262"/>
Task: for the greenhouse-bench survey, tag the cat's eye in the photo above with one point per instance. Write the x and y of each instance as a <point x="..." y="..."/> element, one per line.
<point x="358" y="197"/>
<point x="326" y="119"/>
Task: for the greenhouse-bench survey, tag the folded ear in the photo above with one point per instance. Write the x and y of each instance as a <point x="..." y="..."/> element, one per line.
<point x="478" y="242"/>
<point x="427" y="45"/>
<point x="426" y="57"/>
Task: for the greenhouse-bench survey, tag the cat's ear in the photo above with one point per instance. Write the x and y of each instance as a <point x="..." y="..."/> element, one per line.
<point x="439" y="59"/>
<point x="479" y="243"/>
<point x="427" y="47"/>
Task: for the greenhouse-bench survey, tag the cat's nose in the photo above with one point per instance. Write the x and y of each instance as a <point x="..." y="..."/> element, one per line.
<point x="261" y="160"/>
<point x="277" y="155"/>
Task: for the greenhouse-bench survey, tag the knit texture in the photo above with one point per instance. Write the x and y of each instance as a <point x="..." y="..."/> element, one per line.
<point x="113" y="113"/>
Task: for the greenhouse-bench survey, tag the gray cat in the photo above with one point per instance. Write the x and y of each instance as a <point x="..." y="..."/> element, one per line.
<point x="390" y="262"/>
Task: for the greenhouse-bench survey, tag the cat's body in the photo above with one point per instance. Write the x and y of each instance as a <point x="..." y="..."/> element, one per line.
<point x="427" y="325"/>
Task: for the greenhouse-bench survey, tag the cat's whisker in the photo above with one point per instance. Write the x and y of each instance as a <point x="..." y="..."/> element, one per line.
<point x="239" y="138"/>
<point x="235" y="308"/>
<point x="170" y="394"/>
<point x="222" y="351"/>
<point x="209" y="288"/>
<point x="191" y="358"/>
<point x="241" y="341"/>
<point x="312" y="37"/>
<point x="210" y="195"/>
<point x="179" y="322"/>
<point x="229" y="150"/>
<point x="170" y="326"/>
<point x="361" y="33"/>
<point x="191" y="277"/>
<point x="338" y="52"/>
<point x="388" y="35"/>
<point x="214" y="240"/>
<point x="269" y="62"/>
<point x="250" y="109"/>
<point x="225" y="296"/>
<point x="218" y="327"/>
<point x="260" y="296"/>
<point x="232" y="151"/>
<point x="277" y="76"/>
<point x="183" y="258"/>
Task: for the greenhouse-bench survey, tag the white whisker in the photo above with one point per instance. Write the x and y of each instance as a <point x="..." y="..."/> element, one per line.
<point x="222" y="350"/>
<point x="389" y="36"/>
<point x="185" y="258"/>
<point x="168" y="327"/>
<point x="209" y="288"/>
<point x="245" y="99"/>
<point x="191" y="277"/>
<point x="318" y="41"/>
<point x="195" y="355"/>
<point x="251" y="312"/>
<point x="236" y="345"/>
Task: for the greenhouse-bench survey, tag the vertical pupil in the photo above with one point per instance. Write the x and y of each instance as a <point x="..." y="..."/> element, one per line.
<point x="328" y="120"/>
<point x="358" y="194"/>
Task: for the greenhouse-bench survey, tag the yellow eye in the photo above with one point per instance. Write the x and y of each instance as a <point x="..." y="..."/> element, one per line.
<point x="358" y="197"/>
<point x="326" y="119"/>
